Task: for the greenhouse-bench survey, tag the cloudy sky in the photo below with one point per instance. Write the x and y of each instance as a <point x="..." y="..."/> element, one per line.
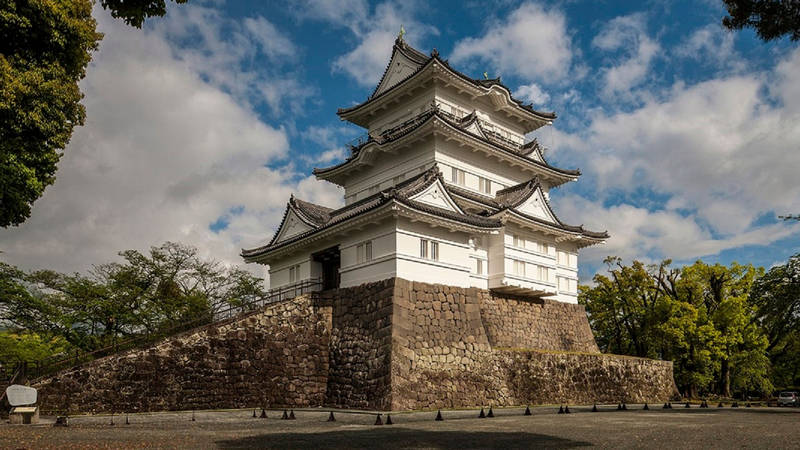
<point x="200" y="125"/>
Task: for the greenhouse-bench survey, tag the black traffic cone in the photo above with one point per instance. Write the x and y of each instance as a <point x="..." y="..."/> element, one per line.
<point x="285" y="415"/>
<point x="254" y="414"/>
<point x="127" y="422"/>
<point x="291" y="414"/>
<point x="561" y="410"/>
<point x="389" y="419"/>
<point x="112" y="420"/>
<point x="378" y="420"/>
<point x="735" y="405"/>
<point x="482" y="415"/>
<point x="193" y="416"/>
<point x="566" y="409"/>
<point x="491" y="413"/>
<point x="331" y="418"/>
<point x="624" y="406"/>
<point x="527" y="411"/>
<point x="619" y="406"/>
<point x="669" y="405"/>
<point x="665" y="406"/>
<point x="688" y="405"/>
<point x="594" y="408"/>
<point x="646" y="408"/>
<point x="720" y="405"/>
<point x="263" y="413"/>
<point x="439" y="417"/>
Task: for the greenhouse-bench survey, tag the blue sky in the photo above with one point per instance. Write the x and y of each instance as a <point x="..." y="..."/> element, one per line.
<point x="201" y="124"/>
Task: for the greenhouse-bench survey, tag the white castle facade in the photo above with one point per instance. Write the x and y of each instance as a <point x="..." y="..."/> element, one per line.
<point x="442" y="190"/>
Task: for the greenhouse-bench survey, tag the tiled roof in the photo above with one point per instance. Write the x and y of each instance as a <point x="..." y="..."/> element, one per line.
<point x="410" y="125"/>
<point x="424" y="61"/>
<point x="401" y="193"/>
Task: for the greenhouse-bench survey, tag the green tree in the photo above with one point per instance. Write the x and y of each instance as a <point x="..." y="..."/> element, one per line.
<point x="146" y="293"/>
<point x="771" y="19"/>
<point x="45" y="46"/>
<point x="699" y="316"/>
<point x="776" y="295"/>
<point x="134" y="12"/>
<point x="44" y="49"/>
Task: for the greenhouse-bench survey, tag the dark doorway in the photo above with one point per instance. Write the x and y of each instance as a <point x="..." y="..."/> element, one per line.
<point x="330" y="261"/>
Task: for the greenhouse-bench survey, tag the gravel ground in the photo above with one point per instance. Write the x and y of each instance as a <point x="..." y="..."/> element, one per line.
<point x="677" y="428"/>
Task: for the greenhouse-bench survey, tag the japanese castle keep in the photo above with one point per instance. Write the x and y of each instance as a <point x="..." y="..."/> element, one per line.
<point x="446" y="280"/>
<point x="442" y="189"/>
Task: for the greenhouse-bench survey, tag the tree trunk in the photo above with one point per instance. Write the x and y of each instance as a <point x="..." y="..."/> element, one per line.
<point x="725" y="379"/>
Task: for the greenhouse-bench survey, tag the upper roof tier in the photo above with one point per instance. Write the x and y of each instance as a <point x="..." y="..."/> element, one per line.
<point x="408" y="69"/>
<point x="468" y="129"/>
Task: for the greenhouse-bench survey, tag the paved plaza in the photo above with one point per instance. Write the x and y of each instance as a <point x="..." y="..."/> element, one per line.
<point x="758" y="427"/>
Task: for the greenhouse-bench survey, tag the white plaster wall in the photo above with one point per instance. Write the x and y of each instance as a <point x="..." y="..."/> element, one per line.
<point x="406" y="163"/>
<point x="452" y="268"/>
<point x="400" y="112"/>
<point x="502" y="175"/>
<point x="483" y="105"/>
<point x="381" y="266"/>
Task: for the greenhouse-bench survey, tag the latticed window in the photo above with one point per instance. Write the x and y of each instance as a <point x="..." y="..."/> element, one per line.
<point x="458" y="176"/>
<point x="485" y="185"/>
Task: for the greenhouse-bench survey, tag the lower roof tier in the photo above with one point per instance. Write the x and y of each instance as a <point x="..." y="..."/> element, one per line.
<point x="427" y="198"/>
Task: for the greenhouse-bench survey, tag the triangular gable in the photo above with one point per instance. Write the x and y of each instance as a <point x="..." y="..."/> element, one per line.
<point x="475" y="129"/>
<point x="436" y="195"/>
<point x="536" y="205"/>
<point x="400" y="67"/>
<point x="536" y="155"/>
<point x="291" y="226"/>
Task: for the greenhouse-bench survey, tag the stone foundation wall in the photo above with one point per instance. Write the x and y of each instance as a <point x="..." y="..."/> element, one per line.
<point x="360" y="346"/>
<point x="541" y="324"/>
<point x="392" y="344"/>
<point x="273" y="357"/>
<point x="445" y="353"/>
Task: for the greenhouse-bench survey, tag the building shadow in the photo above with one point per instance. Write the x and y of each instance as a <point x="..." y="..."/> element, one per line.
<point x="392" y="437"/>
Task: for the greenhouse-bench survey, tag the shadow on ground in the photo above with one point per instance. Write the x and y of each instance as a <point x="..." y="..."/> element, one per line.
<point x="400" y="438"/>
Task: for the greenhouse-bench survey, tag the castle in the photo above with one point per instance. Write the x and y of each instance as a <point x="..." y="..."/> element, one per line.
<point x="445" y="281"/>
<point x="441" y="189"/>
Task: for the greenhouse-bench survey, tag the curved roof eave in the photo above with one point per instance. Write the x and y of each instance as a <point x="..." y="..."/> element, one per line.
<point x="567" y="174"/>
<point x="538" y="115"/>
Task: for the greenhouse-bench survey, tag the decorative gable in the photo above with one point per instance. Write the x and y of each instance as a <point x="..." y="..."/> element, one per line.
<point x="536" y="205"/>
<point x="436" y="195"/>
<point x="400" y="67"/>
<point x="291" y="226"/>
<point x="475" y="129"/>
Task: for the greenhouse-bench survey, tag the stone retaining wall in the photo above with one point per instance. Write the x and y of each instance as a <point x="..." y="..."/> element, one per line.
<point x="392" y="344"/>
<point x="276" y="356"/>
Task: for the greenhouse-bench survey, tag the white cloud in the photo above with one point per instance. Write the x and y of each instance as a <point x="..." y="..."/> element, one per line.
<point x="532" y="42"/>
<point x="230" y="54"/>
<point x="637" y="233"/>
<point x="272" y="42"/>
<point x="710" y="43"/>
<point x="532" y="93"/>
<point x="376" y="33"/>
<point x="723" y="152"/>
<point x="164" y="153"/>
<point x="627" y="37"/>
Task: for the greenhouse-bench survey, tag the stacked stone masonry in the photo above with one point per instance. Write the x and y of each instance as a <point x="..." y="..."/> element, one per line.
<point x="388" y="345"/>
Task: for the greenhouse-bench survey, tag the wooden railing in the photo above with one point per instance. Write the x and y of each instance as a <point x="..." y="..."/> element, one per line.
<point x="29" y="370"/>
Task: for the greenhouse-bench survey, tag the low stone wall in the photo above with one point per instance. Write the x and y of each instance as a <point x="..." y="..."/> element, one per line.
<point x="275" y="356"/>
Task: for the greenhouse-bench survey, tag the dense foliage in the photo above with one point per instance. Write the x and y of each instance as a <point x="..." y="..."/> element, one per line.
<point x="142" y="294"/>
<point x="728" y="330"/>
<point x="45" y="46"/>
<point x="772" y="19"/>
